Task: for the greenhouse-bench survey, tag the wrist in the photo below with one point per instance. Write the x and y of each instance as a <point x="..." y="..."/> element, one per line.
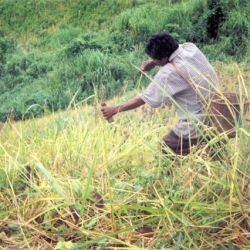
<point x="117" y="109"/>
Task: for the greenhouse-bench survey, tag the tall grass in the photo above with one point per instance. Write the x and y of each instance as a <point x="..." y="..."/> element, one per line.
<point x="71" y="181"/>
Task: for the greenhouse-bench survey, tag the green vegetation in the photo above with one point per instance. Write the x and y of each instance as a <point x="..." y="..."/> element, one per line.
<point x="50" y="49"/>
<point x="69" y="179"/>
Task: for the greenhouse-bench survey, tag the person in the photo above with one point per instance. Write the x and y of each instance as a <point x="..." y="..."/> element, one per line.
<point x="177" y="61"/>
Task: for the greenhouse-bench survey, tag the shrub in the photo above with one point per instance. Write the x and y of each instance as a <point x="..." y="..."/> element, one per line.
<point x="216" y="17"/>
<point x="7" y="46"/>
<point x="237" y="28"/>
<point x="140" y="23"/>
<point x="36" y="102"/>
<point x="63" y="36"/>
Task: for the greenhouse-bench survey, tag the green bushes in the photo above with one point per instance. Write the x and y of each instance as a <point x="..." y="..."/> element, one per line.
<point x="63" y="36"/>
<point x="237" y="31"/>
<point x="21" y="78"/>
<point x="23" y="68"/>
<point x="53" y="48"/>
<point x="7" y="46"/>
<point x="139" y="23"/>
<point x="186" y="21"/>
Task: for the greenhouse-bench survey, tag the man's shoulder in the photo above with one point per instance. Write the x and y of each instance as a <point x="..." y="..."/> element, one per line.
<point x="188" y="45"/>
<point x="190" y="50"/>
<point x="164" y="71"/>
<point x="166" y="74"/>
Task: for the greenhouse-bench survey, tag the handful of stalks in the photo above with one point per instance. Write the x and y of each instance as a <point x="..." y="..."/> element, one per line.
<point x="103" y="104"/>
<point x="111" y="119"/>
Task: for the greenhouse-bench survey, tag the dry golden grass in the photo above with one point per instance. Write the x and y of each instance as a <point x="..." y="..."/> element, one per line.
<point x="71" y="180"/>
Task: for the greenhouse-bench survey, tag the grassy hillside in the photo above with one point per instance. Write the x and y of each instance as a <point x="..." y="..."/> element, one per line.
<point x="71" y="180"/>
<point x="51" y="49"/>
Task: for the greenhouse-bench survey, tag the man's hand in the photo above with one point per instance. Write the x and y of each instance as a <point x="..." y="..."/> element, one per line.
<point x="148" y="65"/>
<point x="108" y="112"/>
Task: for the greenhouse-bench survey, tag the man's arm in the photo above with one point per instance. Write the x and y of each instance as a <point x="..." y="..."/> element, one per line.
<point x="109" y="111"/>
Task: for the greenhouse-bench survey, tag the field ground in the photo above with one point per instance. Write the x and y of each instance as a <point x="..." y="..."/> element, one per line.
<point x="70" y="180"/>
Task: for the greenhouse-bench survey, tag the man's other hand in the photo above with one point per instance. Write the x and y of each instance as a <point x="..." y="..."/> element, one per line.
<point x="148" y="65"/>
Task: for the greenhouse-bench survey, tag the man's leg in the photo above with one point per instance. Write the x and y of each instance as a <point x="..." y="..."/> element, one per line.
<point x="179" y="145"/>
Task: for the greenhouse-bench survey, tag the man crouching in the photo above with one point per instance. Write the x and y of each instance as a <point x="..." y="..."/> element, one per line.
<point x="185" y="77"/>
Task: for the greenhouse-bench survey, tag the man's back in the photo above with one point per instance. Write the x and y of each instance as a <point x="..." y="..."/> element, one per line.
<point x="168" y="83"/>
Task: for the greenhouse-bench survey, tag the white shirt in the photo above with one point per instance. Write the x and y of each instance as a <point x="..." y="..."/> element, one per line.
<point x="168" y="84"/>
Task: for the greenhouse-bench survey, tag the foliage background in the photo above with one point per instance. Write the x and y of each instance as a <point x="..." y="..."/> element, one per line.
<point x="50" y="49"/>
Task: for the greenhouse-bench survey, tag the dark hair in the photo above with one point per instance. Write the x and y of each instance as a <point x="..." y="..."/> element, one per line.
<point x="161" y="45"/>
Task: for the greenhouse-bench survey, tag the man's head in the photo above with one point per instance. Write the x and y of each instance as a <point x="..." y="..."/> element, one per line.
<point x="161" y="45"/>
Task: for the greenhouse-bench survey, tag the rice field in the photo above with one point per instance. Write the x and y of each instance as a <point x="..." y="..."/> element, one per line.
<point x="71" y="180"/>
